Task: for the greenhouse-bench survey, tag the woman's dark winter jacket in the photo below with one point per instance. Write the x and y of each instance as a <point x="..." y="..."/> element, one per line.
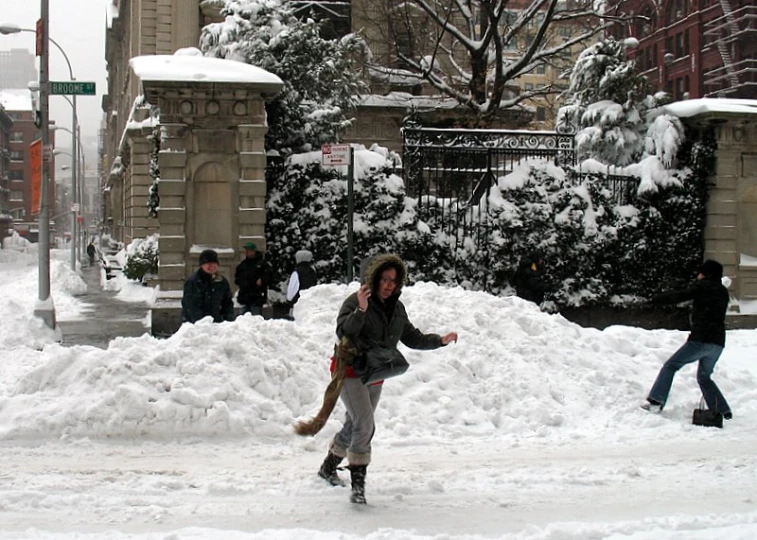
<point x="708" y="311"/>
<point x="246" y="277"/>
<point x="383" y="323"/>
<point x="529" y="280"/>
<point x="205" y="294"/>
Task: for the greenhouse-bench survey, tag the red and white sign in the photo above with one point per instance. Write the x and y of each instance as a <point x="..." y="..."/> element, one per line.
<point x="335" y="154"/>
<point x="35" y="156"/>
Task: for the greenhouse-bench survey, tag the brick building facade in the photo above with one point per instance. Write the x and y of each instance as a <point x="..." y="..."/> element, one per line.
<point x="5" y="159"/>
<point x="18" y="106"/>
<point x="694" y="48"/>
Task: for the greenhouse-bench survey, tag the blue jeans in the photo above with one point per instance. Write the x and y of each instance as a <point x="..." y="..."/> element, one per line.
<point x="691" y="351"/>
<point x="255" y="310"/>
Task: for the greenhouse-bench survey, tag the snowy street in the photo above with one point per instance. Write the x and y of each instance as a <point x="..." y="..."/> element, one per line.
<point x="150" y="487"/>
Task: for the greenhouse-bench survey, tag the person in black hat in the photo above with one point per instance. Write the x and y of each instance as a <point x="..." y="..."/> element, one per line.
<point x="252" y="276"/>
<point x="207" y="292"/>
<point x="706" y="340"/>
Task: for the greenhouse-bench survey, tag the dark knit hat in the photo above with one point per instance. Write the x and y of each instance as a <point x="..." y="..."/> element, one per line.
<point x="711" y="269"/>
<point x="251" y="245"/>
<point x="208" y="256"/>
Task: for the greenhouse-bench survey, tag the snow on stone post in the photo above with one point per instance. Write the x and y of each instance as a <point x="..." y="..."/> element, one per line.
<point x="731" y="230"/>
<point x="212" y="165"/>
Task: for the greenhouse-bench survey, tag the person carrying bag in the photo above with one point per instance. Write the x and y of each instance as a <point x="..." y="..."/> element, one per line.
<point x="369" y="321"/>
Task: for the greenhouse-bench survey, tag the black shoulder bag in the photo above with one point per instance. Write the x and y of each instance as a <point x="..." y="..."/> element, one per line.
<point x="378" y="363"/>
<point x="706" y="417"/>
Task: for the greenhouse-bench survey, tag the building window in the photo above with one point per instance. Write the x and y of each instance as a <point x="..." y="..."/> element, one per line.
<point x="528" y="87"/>
<point x="17" y="155"/>
<point x="17" y="196"/>
<point x="16" y="174"/>
<point x="541" y="69"/>
<point x="17" y="136"/>
<point x="541" y="114"/>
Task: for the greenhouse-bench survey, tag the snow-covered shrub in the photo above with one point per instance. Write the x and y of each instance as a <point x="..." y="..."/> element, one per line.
<point x="307" y="209"/>
<point x="597" y="252"/>
<point x="141" y="257"/>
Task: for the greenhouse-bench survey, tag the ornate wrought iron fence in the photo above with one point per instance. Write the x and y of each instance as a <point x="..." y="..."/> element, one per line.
<point x="449" y="171"/>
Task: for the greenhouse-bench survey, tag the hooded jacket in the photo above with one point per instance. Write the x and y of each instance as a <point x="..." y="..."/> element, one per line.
<point x="383" y="323"/>
<point x="708" y="310"/>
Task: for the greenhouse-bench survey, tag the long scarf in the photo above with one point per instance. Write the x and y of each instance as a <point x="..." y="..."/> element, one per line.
<point x="344" y="351"/>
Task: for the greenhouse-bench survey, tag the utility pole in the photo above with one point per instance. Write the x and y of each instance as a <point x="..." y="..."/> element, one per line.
<point x="44" y="308"/>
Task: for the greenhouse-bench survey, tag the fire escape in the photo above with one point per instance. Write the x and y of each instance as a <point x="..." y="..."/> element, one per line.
<point x="731" y="33"/>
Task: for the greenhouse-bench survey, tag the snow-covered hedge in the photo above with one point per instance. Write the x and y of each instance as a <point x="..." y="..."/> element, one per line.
<point x="596" y="251"/>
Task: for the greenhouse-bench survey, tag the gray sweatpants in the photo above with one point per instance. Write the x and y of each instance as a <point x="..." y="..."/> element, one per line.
<point x="354" y="439"/>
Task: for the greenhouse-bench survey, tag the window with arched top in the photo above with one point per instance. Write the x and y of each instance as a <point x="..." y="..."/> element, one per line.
<point x="211" y="219"/>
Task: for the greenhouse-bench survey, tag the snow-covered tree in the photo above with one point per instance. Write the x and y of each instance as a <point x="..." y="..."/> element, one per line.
<point x="321" y="81"/>
<point x="474" y="50"/>
<point x="618" y="120"/>
<point x="605" y="103"/>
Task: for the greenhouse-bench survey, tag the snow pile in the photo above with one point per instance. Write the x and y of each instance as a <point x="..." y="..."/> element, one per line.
<point x="516" y="374"/>
<point x="19" y="292"/>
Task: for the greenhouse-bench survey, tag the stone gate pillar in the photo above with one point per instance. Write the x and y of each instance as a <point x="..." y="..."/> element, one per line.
<point x="212" y="166"/>
<point x="731" y="229"/>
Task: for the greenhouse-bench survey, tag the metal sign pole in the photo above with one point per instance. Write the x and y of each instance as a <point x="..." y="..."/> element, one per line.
<point x="74" y="172"/>
<point x="350" y="212"/>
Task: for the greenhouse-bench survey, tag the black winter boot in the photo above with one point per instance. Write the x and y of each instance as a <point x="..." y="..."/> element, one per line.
<point x="357" y="472"/>
<point x="328" y="470"/>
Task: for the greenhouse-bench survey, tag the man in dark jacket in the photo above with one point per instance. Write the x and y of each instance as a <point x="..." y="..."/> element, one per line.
<point x="302" y="278"/>
<point x="252" y="276"/>
<point x="528" y="280"/>
<point x="706" y="340"/>
<point x="91" y="253"/>
<point x="207" y="292"/>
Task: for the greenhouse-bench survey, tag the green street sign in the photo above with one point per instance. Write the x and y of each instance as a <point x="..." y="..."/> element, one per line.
<point x="77" y="88"/>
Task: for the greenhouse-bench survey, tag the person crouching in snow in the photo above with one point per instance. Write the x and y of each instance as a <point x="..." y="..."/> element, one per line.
<point x="372" y="315"/>
<point x="706" y="340"/>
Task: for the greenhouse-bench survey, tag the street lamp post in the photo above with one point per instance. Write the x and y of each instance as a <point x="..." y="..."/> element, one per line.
<point x="74" y="167"/>
<point x="7" y="29"/>
<point x="45" y="309"/>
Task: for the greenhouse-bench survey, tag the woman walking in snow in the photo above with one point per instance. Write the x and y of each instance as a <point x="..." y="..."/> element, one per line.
<point x="372" y="315"/>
